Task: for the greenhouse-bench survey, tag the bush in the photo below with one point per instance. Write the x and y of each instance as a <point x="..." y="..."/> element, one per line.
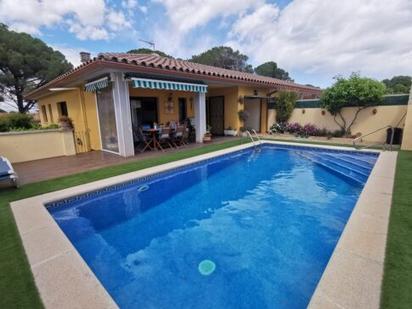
<point x="338" y="133"/>
<point x="304" y="131"/>
<point x="285" y="103"/>
<point x="17" y="122"/>
<point x="278" y="127"/>
<point x="310" y="130"/>
<point x="294" y="128"/>
<point x="243" y="115"/>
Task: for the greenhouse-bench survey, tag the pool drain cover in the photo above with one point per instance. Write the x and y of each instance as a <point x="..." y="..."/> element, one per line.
<point x="206" y="267"/>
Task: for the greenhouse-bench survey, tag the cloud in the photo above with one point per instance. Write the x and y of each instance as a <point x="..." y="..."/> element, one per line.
<point x="91" y="19"/>
<point x="72" y="54"/>
<point x="186" y="16"/>
<point x="330" y="37"/>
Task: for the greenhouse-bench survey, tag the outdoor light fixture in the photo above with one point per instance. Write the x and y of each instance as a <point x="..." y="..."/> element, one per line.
<point x="255" y="93"/>
<point x="241" y="99"/>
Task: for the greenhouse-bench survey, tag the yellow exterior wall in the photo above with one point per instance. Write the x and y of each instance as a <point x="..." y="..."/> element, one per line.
<point x="81" y="107"/>
<point x="260" y="92"/>
<point x="35" y="145"/>
<point x="365" y="123"/>
<point x="92" y="120"/>
<point x="232" y="106"/>
<point x="407" y="134"/>
<point x="162" y="99"/>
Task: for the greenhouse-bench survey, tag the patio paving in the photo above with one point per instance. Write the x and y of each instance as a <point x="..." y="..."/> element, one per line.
<point x="38" y="170"/>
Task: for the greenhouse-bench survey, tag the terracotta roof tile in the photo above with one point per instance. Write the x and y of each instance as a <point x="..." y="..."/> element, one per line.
<point x="196" y="68"/>
<point x="164" y="63"/>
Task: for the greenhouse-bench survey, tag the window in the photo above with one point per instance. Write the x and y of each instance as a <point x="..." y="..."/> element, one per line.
<point x="44" y="113"/>
<point x="62" y="106"/>
<point x="51" y="113"/>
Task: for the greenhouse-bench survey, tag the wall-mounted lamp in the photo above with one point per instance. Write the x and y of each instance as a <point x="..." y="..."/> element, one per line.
<point x="303" y="111"/>
<point x="241" y="100"/>
<point x="374" y="111"/>
<point x="255" y="93"/>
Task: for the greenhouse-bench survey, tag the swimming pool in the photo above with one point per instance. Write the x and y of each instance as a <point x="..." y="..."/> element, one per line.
<point x="245" y="230"/>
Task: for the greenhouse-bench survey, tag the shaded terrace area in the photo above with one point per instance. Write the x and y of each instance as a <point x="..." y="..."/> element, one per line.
<point x="39" y="170"/>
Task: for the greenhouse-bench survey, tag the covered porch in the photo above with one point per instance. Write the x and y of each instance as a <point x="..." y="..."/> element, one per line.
<point x="128" y="104"/>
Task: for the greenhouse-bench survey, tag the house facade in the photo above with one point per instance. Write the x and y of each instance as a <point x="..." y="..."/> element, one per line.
<point x="107" y="97"/>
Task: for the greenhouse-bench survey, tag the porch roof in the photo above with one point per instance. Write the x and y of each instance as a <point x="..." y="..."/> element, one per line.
<point x="155" y="64"/>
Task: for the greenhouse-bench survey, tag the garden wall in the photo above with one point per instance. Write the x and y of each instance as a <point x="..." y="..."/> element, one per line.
<point x="390" y="112"/>
<point x="37" y="144"/>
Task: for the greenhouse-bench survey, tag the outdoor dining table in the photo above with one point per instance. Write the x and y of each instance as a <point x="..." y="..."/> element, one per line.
<point x="153" y="138"/>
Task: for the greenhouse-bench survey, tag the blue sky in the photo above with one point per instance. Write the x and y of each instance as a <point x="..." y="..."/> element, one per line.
<point x="314" y="40"/>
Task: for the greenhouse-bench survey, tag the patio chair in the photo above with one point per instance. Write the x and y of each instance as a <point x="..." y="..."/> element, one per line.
<point x="165" y="137"/>
<point x="179" y="136"/>
<point x="143" y="138"/>
<point x="7" y="172"/>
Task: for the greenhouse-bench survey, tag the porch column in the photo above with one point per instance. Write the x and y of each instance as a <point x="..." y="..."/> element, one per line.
<point x="122" y="113"/>
<point x="200" y="116"/>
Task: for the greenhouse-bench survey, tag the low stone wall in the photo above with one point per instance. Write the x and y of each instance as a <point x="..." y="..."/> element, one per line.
<point x="37" y="144"/>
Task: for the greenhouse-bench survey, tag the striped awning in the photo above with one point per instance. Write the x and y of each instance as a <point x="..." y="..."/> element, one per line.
<point x="167" y="85"/>
<point x="97" y="84"/>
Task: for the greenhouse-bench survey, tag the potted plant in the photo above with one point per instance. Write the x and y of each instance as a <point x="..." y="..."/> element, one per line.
<point x="230" y="132"/>
<point x="208" y="136"/>
<point x="65" y="123"/>
<point x="243" y="131"/>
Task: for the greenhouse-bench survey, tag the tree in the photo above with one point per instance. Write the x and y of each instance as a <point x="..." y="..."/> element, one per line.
<point x="285" y="103"/>
<point x="271" y="69"/>
<point x="398" y="84"/>
<point x="356" y="91"/>
<point x="148" y="51"/>
<point x="224" y="57"/>
<point x="26" y="63"/>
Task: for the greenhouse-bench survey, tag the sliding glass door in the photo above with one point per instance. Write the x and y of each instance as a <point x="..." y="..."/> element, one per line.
<point x="107" y="120"/>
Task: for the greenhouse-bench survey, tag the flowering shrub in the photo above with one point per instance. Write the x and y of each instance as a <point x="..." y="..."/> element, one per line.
<point x="278" y="127"/>
<point x="310" y="130"/>
<point x="294" y="128"/>
<point x="297" y="129"/>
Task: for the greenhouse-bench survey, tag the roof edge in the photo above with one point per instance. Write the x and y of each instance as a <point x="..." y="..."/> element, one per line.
<point x="102" y="61"/>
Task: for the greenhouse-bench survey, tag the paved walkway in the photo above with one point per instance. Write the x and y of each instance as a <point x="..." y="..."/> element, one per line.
<point x="44" y="169"/>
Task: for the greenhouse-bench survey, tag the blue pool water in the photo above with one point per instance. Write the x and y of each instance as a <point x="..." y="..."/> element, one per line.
<point x="248" y="230"/>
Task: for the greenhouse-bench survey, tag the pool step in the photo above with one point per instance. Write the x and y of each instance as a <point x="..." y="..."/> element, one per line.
<point x="364" y="169"/>
<point x="356" y="164"/>
<point x="362" y="159"/>
<point x="357" y="170"/>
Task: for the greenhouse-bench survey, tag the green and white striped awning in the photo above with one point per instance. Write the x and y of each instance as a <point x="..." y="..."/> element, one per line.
<point x="167" y="85"/>
<point x="97" y="84"/>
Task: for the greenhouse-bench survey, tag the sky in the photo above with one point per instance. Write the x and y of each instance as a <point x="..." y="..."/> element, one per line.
<point x="314" y="40"/>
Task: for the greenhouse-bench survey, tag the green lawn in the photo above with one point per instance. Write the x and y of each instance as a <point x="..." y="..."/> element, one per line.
<point x="17" y="287"/>
<point x="397" y="283"/>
